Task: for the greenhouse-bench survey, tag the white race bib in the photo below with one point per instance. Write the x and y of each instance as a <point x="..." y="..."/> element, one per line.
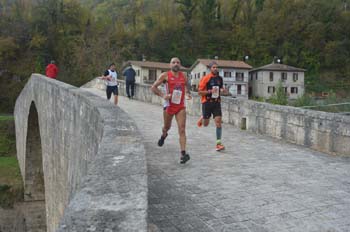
<point x="176" y="96"/>
<point x="215" y="92"/>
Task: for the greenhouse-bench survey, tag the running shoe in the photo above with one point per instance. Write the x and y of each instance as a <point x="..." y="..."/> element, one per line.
<point x="220" y="147"/>
<point x="184" y="158"/>
<point x="200" y="121"/>
<point x="161" y="140"/>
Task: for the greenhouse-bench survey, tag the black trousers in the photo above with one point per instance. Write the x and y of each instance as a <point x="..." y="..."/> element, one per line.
<point x="130" y="84"/>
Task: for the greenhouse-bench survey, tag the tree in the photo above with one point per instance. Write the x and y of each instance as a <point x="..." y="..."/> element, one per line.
<point x="186" y="8"/>
<point x="279" y="97"/>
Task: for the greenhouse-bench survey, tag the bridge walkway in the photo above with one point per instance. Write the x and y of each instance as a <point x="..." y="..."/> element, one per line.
<point x="256" y="184"/>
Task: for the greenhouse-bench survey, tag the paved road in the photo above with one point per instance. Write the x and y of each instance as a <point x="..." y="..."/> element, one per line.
<point x="257" y="184"/>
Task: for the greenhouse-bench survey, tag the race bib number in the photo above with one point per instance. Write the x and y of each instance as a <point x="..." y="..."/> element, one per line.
<point x="114" y="80"/>
<point x="215" y="92"/>
<point x="176" y="96"/>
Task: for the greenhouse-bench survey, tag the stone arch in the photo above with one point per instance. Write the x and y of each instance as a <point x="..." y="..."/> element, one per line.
<point x="34" y="186"/>
<point x="35" y="216"/>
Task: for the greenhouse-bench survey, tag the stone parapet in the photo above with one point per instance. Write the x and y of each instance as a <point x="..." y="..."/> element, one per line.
<point x="321" y="131"/>
<point x="92" y="158"/>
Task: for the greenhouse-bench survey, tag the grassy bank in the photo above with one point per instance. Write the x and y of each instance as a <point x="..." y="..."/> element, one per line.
<point x="11" y="187"/>
<point x="7" y="136"/>
<point x="6" y="118"/>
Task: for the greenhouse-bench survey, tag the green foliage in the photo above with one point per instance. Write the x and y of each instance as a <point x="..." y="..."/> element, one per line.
<point x="304" y="100"/>
<point x="83" y="36"/>
<point x="259" y="99"/>
<point x="7" y="146"/>
<point x="331" y="99"/>
<point x="279" y="97"/>
<point x="39" y="65"/>
<point x="8" y="49"/>
<point x="6" y="118"/>
<point x="7" y="136"/>
<point x="10" y="87"/>
<point x="11" y="186"/>
<point x="11" y="189"/>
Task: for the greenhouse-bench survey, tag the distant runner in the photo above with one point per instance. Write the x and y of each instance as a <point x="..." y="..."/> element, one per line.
<point x="110" y="76"/>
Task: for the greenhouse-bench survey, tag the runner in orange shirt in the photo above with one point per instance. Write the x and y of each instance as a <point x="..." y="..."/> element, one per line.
<point x="210" y="88"/>
<point x="177" y="86"/>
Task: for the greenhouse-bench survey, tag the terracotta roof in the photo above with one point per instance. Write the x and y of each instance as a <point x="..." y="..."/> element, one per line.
<point x="278" y="67"/>
<point x="152" y="64"/>
<point x="224" y="63"/>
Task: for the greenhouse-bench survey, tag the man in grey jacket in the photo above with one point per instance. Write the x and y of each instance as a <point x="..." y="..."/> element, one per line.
<point x="129" y="74"/>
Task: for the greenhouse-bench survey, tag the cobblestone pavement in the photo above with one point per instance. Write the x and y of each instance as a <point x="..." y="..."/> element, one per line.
<point x="257" y="184"/>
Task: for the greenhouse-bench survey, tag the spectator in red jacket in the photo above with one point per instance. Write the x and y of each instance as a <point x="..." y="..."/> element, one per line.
<point x="52" y="70"/>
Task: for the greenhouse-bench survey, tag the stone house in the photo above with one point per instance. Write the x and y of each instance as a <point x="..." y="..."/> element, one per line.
<point x="234" y="74"/>
<point x="263" y="81"/>
<point x="148" y="71"/>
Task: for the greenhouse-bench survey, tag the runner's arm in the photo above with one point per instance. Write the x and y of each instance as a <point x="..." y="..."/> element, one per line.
<point x="202" y="88"/>
<point x="222" y="87"/>
<point x="105" y="76"/>
<point x="162" y="79"/>
<point x="188" y="87"/>
<point x="224" y="90"/>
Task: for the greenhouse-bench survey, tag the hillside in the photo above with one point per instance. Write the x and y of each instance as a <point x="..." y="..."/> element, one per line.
<point x="84" y="36"/>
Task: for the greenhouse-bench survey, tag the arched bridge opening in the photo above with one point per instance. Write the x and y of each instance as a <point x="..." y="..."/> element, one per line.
<point x="34" y="184"/>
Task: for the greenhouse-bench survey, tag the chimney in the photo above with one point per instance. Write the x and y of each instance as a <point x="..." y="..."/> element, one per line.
<point x="216" y="57"/>
<point x="143" y="57"/>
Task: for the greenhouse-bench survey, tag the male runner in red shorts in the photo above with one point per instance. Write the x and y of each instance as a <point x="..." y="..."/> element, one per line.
<point x="177" y="86"/>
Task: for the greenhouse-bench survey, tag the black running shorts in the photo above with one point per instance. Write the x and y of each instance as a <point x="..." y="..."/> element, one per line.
<point x="110" y="90"/>
<point x="211" y="108"/>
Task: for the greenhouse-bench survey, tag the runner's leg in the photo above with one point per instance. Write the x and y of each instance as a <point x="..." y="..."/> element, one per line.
<point x="207" y="111"/>
<point x="167" y="118"/>
<point x="108" y="92"/>
<point x="181" y="123"/>
<point x="115" y="92"/>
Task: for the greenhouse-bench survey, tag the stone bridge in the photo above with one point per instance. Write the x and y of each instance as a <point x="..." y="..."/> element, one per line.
<point x="96" y="167"/>
<point x="84" y="158"/>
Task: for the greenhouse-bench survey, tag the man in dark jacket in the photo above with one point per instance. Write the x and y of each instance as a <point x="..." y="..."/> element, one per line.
<point x="129" y="74"/>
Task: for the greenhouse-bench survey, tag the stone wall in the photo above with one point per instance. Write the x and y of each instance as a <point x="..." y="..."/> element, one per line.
<point x="88" y="157"/>
<point x="325" y="132"/>
<point x="11" y="220"/>
<point x="23" y="217"/>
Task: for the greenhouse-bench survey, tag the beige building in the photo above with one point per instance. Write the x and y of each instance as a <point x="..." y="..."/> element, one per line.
<point x="234" y="74"/>
<point x="148" y="71"/>
<point x="263" y="81"/>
